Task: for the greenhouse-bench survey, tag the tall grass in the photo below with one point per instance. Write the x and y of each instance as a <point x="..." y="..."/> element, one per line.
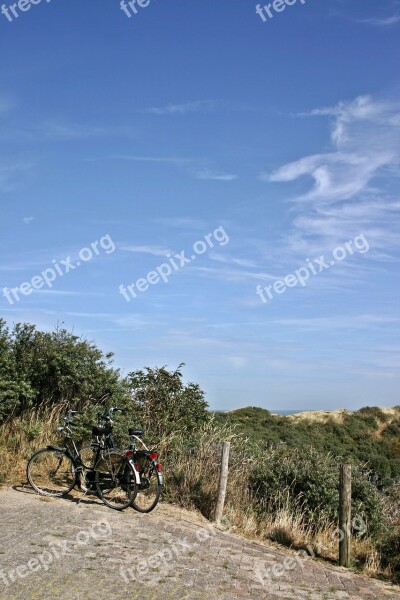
<point x="20" y="436"/>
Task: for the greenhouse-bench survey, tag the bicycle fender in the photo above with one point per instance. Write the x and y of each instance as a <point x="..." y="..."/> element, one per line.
<point x="136" y="472"/>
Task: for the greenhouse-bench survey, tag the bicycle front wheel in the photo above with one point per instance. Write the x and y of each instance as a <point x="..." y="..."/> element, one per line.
<point x="86" y="454"/>
<point x="51" y="472"/>
<point x="116" y="482"/>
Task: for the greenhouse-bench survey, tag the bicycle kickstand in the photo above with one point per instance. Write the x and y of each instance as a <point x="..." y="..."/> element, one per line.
<point x="80" y="488"/>
<point x="83" y="495"/>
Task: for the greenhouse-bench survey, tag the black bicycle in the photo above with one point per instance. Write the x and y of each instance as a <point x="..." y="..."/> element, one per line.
<point x="146" y="464"/>
<point x="108" y="472"/>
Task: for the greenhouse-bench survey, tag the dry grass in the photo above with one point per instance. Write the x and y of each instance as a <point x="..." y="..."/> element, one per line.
<point x="192" y="481"/>
<point x="338" y="416"/>
<point x="20" y="437"/>
<point x="321" y="416"/>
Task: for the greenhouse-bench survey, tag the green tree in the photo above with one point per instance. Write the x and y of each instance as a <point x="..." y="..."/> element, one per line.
<point x="164" y="404"/>
<point x="42" y="369"/>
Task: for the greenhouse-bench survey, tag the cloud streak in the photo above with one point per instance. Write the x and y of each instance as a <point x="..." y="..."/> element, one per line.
<point x="153" y="250"/>
<point x="198" y="106"/>
<point x="198" y="172"/>
<point x="10" y="174"/>
<point x="208" y="174"/>
<point x="380" y="22"/>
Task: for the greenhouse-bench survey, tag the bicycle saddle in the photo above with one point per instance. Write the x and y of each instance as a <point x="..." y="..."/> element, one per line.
<point x="101" y="430"/>
<point x="137" y="432"/>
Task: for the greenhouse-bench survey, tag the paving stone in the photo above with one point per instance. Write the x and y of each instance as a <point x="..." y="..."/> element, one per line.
<point x="49" y="550"/>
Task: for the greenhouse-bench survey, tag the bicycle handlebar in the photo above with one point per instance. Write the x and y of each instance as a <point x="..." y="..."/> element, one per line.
<point x="70" y="414"/>
<point x="108" y="416"/>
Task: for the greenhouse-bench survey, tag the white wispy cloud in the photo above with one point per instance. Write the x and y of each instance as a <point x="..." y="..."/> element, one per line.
<point x="153" y="250"/>
<point x="375" y="217"/>
<point x="238" y="362"/>
<point x="337" y="176"/>
<point x="59" y="131"/>
<point x="208" y="174"/>
<point x="28" y="220"/>
<point x="352" y="182"/>
<point x="174" y="160"/>
<point x="376" y="22"/>
<point x="22" y="265"/>
<point x="366" y="321"/>
<point x="182" y="109"/>
<point x="194" y="107"/>
<point x="89" y="315"/>
<point x="183" y="222"/>
<point x="241" y="262"/>
<point x="233" y="274"/>
<point x="129" y="321"/>
<point x="11" y="172"/>
<point x="192" y="166"/>
<point x="365" y="136"/>
<point x="53" y="292"/>
<point x="121" y="322"/>
<point x="331" y="323"/>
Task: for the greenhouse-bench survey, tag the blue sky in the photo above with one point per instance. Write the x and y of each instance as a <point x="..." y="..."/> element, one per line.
<point x="189" y="116"/>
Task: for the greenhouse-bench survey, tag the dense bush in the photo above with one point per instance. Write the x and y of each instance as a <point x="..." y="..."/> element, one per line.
<point x="164" y="403"/>
<point x="389" y="549"/>
<point x="367" y="436"/>
<point x="156" y="400"/>
<point x="39" y="370"/>
<point x="307" y="482"/>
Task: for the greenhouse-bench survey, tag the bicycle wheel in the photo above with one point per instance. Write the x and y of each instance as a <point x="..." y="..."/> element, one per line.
<point x="150" y="487"/>
<point x="86" y="454"/>
<point x="51" y="472"/>
<point x="116" y="481"/>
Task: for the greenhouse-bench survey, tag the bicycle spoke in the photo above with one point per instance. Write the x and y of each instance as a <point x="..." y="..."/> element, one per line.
<point x="51" y="472"/>
<point x="150" y="487"/>
<point x="116" y="484"/>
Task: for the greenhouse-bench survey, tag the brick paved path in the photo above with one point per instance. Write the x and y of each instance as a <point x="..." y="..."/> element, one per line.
<point x="59" y="549"/>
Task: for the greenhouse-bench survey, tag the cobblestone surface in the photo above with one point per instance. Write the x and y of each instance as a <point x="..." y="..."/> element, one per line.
<point x="59" y="549"/>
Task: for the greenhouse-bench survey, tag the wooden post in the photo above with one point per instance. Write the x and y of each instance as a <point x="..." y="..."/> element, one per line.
<point x="223" y="480"/>
<point x="345" y="515"/>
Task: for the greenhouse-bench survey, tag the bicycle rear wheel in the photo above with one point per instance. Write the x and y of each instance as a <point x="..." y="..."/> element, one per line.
<point x="116" y="482"/>
<point x="51" y="472"/>
<point x="150" y="487"/>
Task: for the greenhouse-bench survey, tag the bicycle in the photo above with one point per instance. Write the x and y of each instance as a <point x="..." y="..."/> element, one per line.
<point x="150" y="473"/>
<point x="56" y="470"/>
<point x="86" y="452"/>
<point x="146" y="463"/>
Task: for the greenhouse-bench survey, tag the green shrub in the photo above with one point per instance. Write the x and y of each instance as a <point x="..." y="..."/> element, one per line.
<point x="368" y="437"/>
<point x="307" y="481"/>
<point x="39" y="370"/>
<point x="389" y="549"/>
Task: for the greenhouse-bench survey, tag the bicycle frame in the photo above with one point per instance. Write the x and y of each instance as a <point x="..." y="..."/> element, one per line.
<point x="102" y="470"/>
<point x="71" y="450"/>
<point x="133" y="452"/>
